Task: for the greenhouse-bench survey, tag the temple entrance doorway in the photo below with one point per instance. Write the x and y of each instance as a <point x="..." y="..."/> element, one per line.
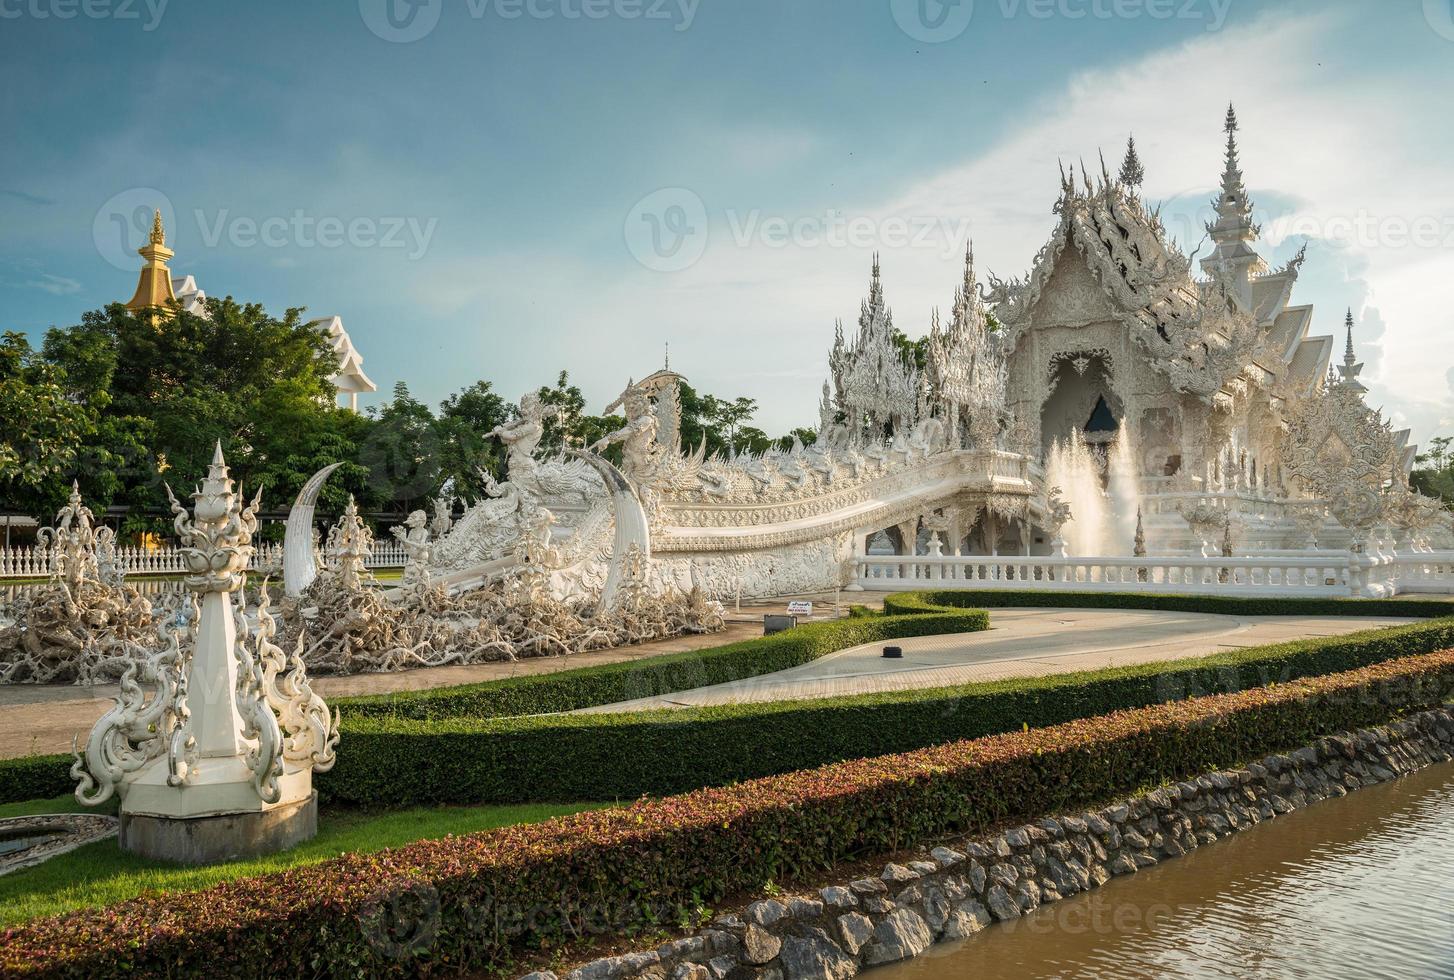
<point x="1081" y="400"/>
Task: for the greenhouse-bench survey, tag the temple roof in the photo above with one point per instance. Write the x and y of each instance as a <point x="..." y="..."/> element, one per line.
<point x="349" y="377"/>
<point x="1206" y="333"/>
<point x="1310" y="360"/>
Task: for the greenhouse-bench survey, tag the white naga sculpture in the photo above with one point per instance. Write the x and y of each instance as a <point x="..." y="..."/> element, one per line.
<point x="216" y="760"/>
<point x="84" y="626"/>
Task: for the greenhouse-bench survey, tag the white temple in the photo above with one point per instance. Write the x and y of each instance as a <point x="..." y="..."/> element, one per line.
<point x="1110" y="419"/>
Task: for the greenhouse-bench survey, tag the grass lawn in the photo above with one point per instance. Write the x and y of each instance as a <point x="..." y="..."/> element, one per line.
<point x="101" y="873"/>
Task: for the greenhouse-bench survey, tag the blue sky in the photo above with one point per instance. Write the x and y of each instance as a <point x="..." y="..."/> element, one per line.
<point x="481" y="201"/>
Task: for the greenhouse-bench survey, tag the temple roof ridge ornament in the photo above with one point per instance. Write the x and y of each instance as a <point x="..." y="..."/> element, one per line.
<point x="1351" y="367"/>
<point x="873" y="383"/>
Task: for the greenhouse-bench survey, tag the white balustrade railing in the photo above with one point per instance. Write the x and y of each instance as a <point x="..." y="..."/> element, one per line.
<point x="1306" y="576"/>
<point x="1427" y="572"/>
<point x="139" y="562"/>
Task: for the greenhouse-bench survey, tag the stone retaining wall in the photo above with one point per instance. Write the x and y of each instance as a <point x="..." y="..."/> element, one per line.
<point x="954" y="891"/>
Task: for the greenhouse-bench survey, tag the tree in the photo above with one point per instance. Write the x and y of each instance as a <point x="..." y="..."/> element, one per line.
<point x="465" y="421"/>
<point x="913" y="352"/>
<point x="1132" y="173"/>
<point x="728" y="416"/>
<point x="166" y="388"/>
<point x="402" y="452"/>
<point x="44" y="430"/>
<point x="1435" y="474"/>
<point x="804" y="435"/>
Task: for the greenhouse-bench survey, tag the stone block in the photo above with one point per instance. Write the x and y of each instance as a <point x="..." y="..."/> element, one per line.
<point x="224" y="837"/>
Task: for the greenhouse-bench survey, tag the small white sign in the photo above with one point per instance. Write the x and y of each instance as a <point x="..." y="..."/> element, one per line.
<point x="800" y="607"/>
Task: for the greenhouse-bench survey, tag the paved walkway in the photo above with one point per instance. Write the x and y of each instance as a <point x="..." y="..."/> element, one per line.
<point x="44" y="718"/>
<point x="1022" y="643"/>
<point x="38" y="718"/>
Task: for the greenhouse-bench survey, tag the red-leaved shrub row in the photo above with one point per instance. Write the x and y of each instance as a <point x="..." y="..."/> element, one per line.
<point x="448" y="905"/>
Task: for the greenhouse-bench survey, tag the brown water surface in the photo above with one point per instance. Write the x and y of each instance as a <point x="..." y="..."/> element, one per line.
<point x="1356" y="887"/>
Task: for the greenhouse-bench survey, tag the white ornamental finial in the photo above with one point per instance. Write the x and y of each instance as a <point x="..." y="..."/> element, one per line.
<point x="218" y="762"/>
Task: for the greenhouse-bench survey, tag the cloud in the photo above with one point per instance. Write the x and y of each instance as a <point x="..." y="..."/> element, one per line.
<point x="26" y="197"/>
<point x="56" y="285"/>
<point x="1323" y="157"/>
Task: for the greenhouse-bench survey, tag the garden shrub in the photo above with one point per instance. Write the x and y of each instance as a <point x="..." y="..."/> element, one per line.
<point x="402" y="761"/>
<point x="949" y="600"/>
<point x="647" y="677"/>
<point x="472" y="902"/>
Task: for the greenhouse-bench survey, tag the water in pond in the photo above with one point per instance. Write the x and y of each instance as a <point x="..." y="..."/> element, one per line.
<point x="11" y="844"/>
<point x="1356" y="887"/>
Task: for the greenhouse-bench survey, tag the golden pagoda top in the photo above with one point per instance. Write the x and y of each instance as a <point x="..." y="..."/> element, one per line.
<point x="154" y="288"/>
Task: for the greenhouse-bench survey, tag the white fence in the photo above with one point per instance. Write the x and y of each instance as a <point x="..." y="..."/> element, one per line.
<point x="1312" y="574"/>
<point x="37" y="562"/>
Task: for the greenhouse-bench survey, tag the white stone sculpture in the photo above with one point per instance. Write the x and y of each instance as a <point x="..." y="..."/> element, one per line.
<point x="414" y="536"/>
<point x="217" y="763"/>
<point x="349" y="546"/>
<point x="85" y="625"/>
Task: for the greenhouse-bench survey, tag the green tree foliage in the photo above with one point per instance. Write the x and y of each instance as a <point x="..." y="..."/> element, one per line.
<point x="466" y="448"/>
<point x="123" y="402"/>
<point x="1434" y="473"/>
<point x="44" y="430"/>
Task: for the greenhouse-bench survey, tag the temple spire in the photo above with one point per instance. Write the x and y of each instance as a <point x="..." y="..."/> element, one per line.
<point x="154" y="286"/>
<point x="1234" y="210"/>
<point x="1349" y="370"/>
<point x="1233" y="260"/>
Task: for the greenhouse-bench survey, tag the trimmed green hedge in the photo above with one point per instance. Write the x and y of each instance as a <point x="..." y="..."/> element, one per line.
<point x="623" y="756"/>
<point x="35" y="777"/>
<point x="648" y="677"/>
<point x="460" y="745"/>
<point x="45" y="776"/>
<point x="469" y="903"/>
<point x="949" y="600"/>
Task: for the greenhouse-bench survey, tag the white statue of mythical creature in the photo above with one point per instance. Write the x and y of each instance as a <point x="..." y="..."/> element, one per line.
<point x="716" y="479"/>
<point x="926" y="438"/>
<point x="791" y="470"/>
<point x="820" y="460"/>
<point x="414" y="536"/>
<point x="637" y="437"/>
<point x="537" y="478"/>
<point x="878" y="454"/>
<point x="759" y="471"/>
<point x="443" y="510"/>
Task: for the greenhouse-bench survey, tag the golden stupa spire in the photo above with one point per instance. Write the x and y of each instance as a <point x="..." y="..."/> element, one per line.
<point x="154" y="288"/>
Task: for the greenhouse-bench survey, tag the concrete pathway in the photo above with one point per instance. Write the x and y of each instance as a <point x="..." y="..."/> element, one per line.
<point x="44" y="718"/>
<point x="1022" y="643"/>
<point x="39" y="719"/>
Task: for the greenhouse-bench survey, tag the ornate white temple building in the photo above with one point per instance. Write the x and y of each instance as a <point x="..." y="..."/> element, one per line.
<point x="1118" y="417"/>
